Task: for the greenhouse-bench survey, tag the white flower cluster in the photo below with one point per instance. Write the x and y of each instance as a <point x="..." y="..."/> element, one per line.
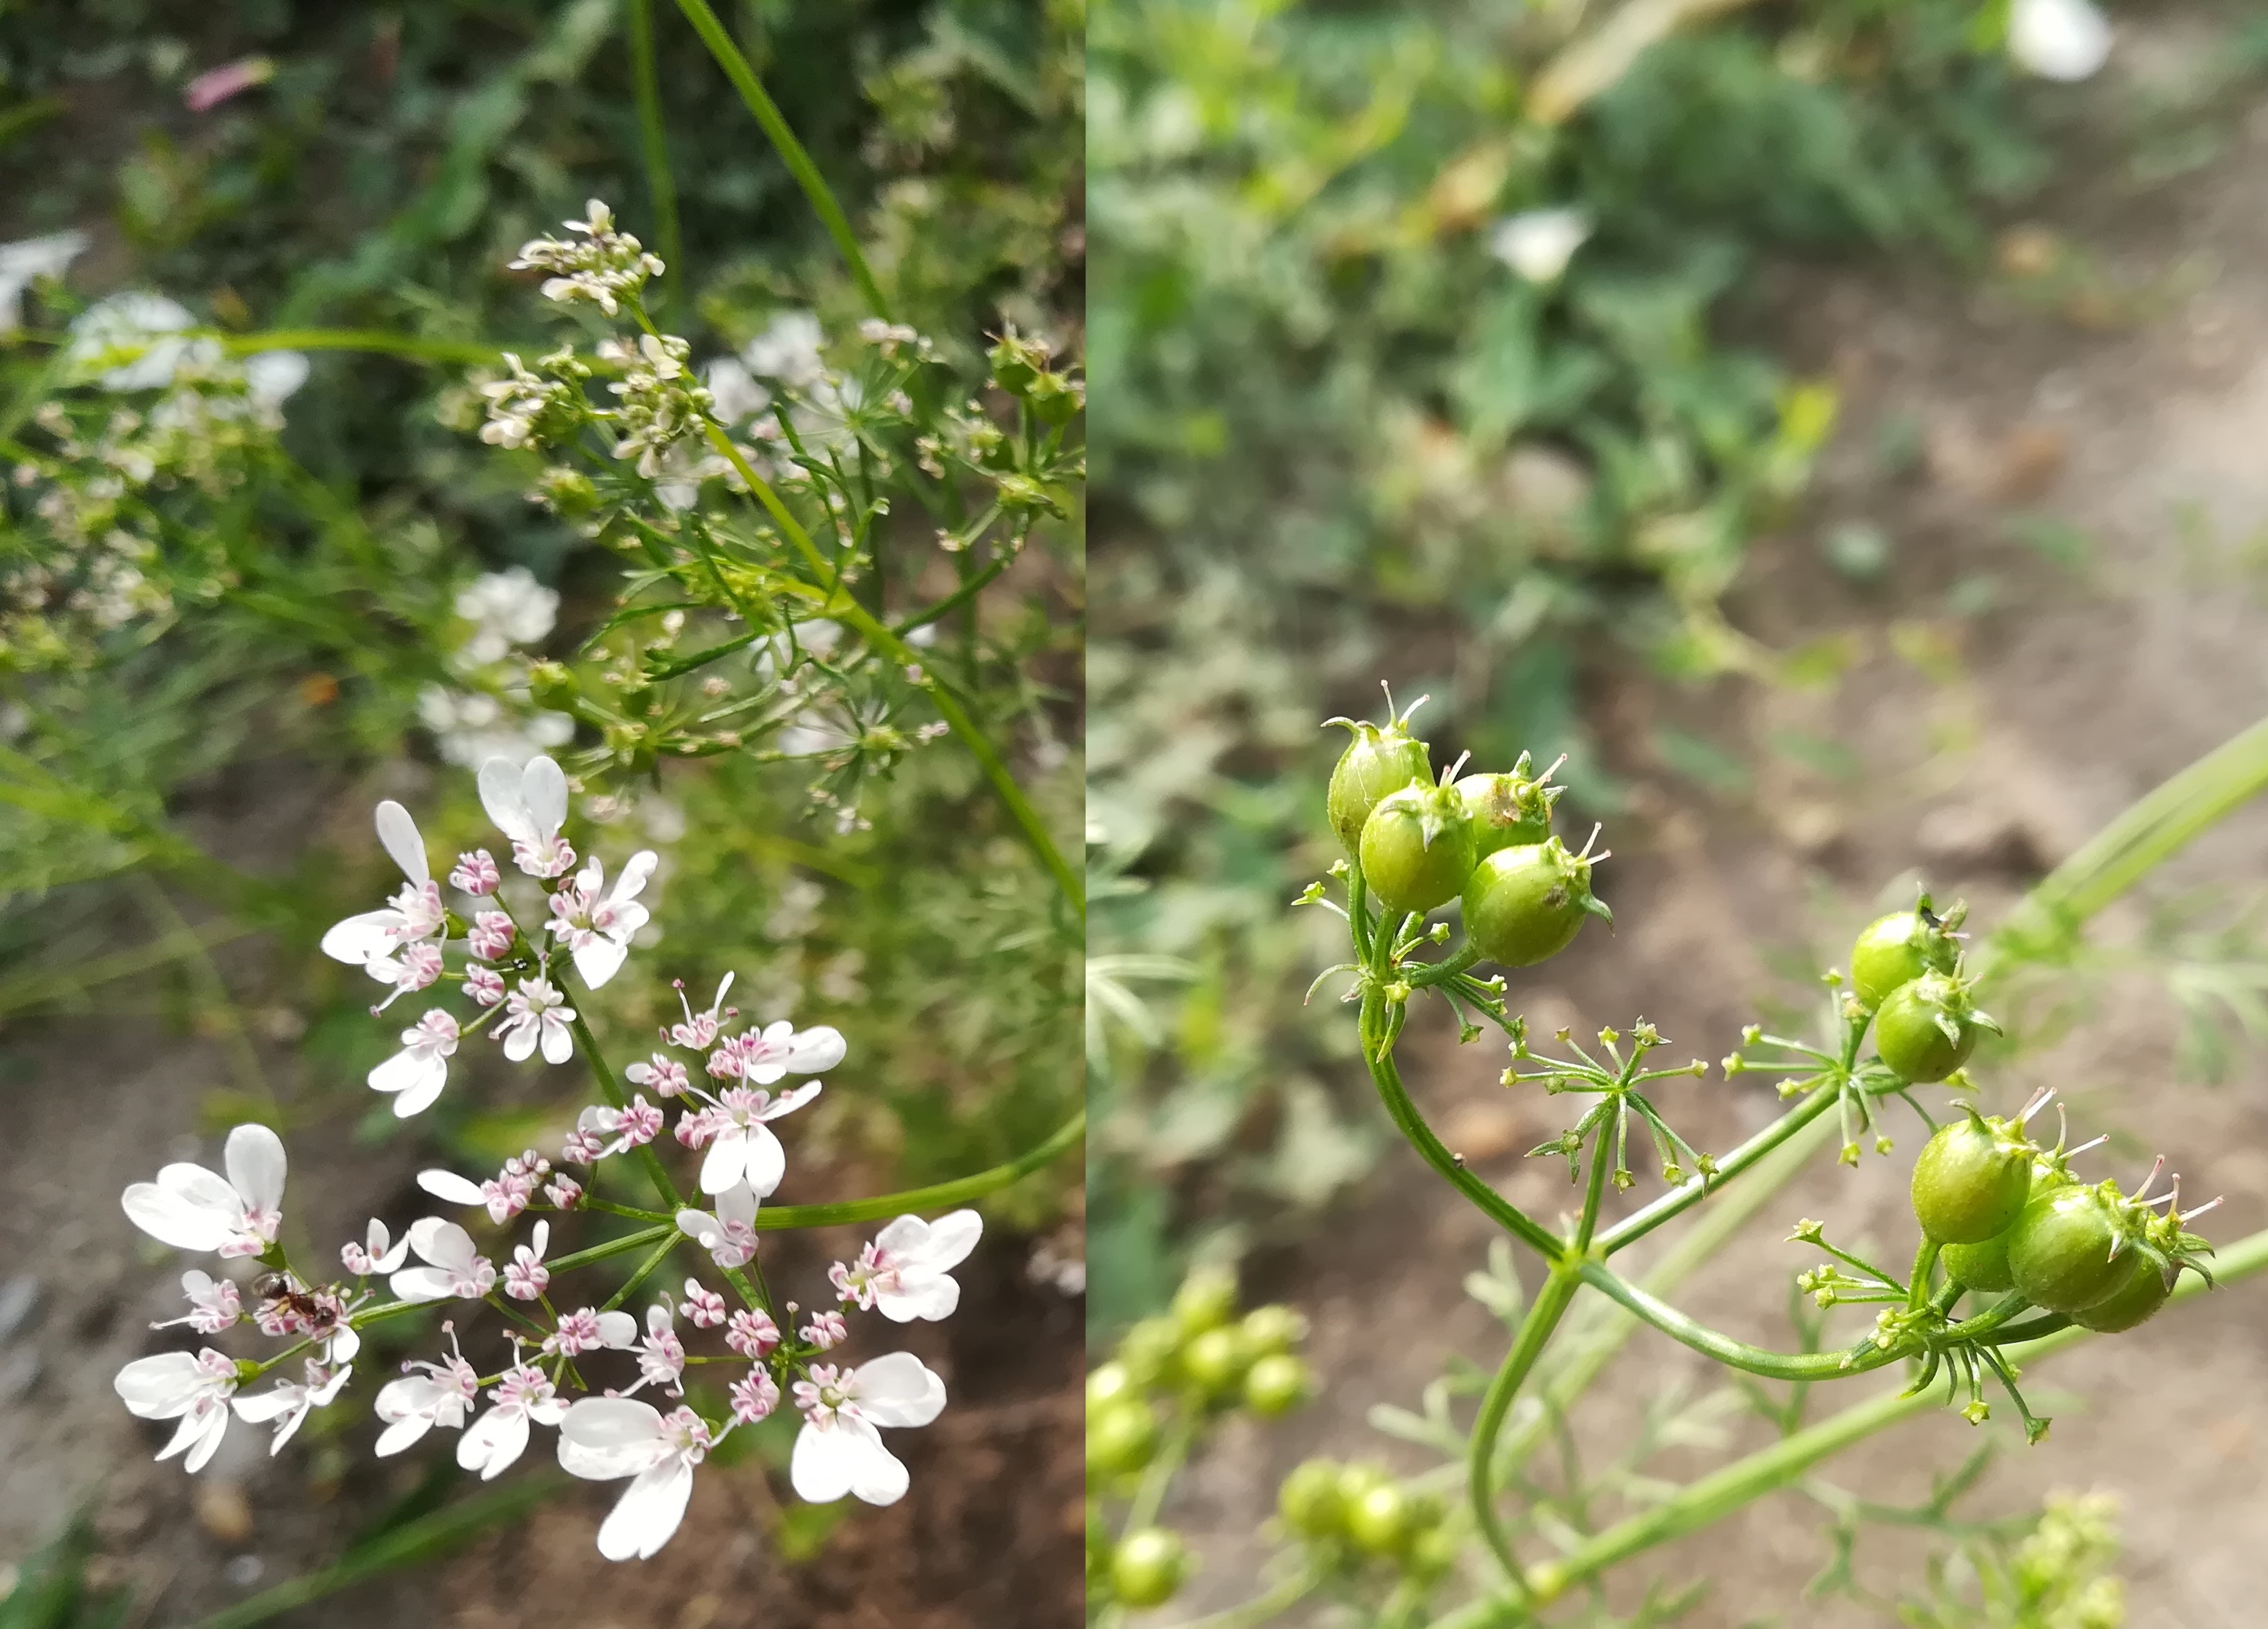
<point x="610" y="1432"/>
<point x="606" y="266"/>
<point x="510" y="613"/>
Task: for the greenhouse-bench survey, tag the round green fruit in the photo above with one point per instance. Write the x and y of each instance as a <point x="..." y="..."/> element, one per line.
<point x="1432" y="1553"/>
<point x="1148" y="1567"/>
<point x="1525" y="904"/>
<point x="1377" y="762"/>
<point x="1981" y="1267"/>
<point x="1970" y="1181"/>
<point x="1151" y="1352"/>
<point x="1894" y="950"/>
<point x="1310" y="1499"/>
<point x="2059" y="1251"/>
<point x="1206" y="1300"/>
<point x="1507" y="809"/>
<point x="1120" y="1437"/>
<point x="2141" y="1291"/>
<point x="1276" y="1384"/>
<point x="1274" y="1329"/>
<point x="1216" y="1361"/>
<point x="1417" y="849"/>
<point x="1926" y="1029"/>
<point x="1111" y="1382"/>
<point x="1378" y="1520"/>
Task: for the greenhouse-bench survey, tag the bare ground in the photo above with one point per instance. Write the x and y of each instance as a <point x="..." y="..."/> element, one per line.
<point x="1983" y="745"/>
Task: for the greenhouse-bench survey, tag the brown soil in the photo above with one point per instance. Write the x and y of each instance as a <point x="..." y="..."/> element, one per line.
<point x="1987" y="745"/>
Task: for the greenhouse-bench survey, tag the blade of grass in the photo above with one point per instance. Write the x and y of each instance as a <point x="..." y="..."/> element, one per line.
<point x="653" y="141"/>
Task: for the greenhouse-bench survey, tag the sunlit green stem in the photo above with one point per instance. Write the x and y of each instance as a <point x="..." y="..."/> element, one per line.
<point x="791" y="151"/>
<point x="653" y="141"/>
<point x="611" y="1089"/>
<point x="937" y="1195"/>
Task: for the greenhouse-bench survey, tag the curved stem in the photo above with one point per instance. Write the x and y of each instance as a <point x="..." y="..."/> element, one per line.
<point x="1441" y="972"/>
<point x="1413" y="1126"/>
<point x="1689" y="1193"/>
<point x="790" y="149"/>
<point x="933" y="1197"/>
<point x="1535" y="1331"/>
<point x="878" y="637"/>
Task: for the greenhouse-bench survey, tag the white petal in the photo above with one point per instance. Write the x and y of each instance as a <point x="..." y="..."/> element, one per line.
<point x="737" y="1204"/>
<point x="896" y="1390"/>
<point x="256" y="1162"/>
<point x="847" y="1457"/>
<point x="767" y="1160"/>
<point x="617" y="1330"/>
<point x="500" y="796"/>
<point x="817" y="1050"/>
<point x="494" y="1444"/>
<point x="410" y="1070"/>
<point x="359" y="939"/>
<point x="930" y="1295"/>
<point x="2066" y="40"/>
<point x="727" y="1164"/>
<point x="951" y="1238"/>
<point x="452" y="1188"/>
<point x="259" y="1407"/>
<point x="270" y="376"/>
<point x="170" y="1218"/>
<point x="421" y="1096"/>
<point x="398" y="1400"/>
<point x="403" y="1433"/>
<point x="603" y="1438"/>
<point x="543" y="792"/>
<point x="788" y="1102"/>
<point x="647" y="1513"/>
<point x="160" y="1386"/>
<point x="444" y="1243"/>
<point x="345" y="1346"/>
<point x="423" y="1284"/>
<point x="636" y="872"/>
<point x="397" y="834"/>
<point x="208" y="1441"/>
<point x="598" y="961"/>
<point x="697" y="1225"/>
<point x="558" y="1043"/>
<point x="519" y="1042"/>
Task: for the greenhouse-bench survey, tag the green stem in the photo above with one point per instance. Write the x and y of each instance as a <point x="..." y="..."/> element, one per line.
<point x="790" y="149"/>
<point x="646" y="1269"/>
<point x="623" y="1246"/>
<point x="936" y="1196"/>
<point x="1282" y="1598"/>
<point x="1535" y="1331"/>
<point x="878" y="637"/>
<point x="1440" y="972"/>
<point x="611" y="1089"/>
<point x="653" y="141"/>
<point x="378" y="342"/>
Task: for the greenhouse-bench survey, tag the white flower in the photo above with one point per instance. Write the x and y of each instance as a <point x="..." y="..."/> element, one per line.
<point x="761" y="1057"/>
<point x="661" y="1355"/>
<point x="472" y="726"/>
<point x="271" y="377"/>
<point x="499" y="1437"/>
<point x="22" y="263"/>
<point x="839" y="1450"/>
<point x="288" y="1402"/>
<point x="2065" y="39"/>
<point x="457" y="1271"/>
<point x="729" y="1235"/>
<point x="529" y="806"/>
<point x="173" y="1385"/>
<point x="525" y="1275"/>
<point x="191" y="1209"/>
<point x="215" y="1304"/>
<point x="745" y="1150"/>
<point x="1538" y="243"/>
<point x="378" y="1253"/>
<point x="417" y="1073"/>
<point x="125" y="337"/>
<point x="907" y="1269"/>
<point x="536" y="1011"/>
<point x="603" y="1439"/>
<point x="787" y="350"/>
<point x="411" y="917"/>
<point x="444" y="1394"/>
<point x="507" y="609"/>
<point x="599" y="930"/>
<point x="452" y="1188"/>
<point x="734" y="396"/>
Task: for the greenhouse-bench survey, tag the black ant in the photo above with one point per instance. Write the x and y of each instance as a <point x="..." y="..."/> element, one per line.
<point x="285" y="1292"/>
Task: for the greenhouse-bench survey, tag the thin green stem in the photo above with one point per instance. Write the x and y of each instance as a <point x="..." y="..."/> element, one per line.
<point x="376" y="342"/>
<point x="646" y="1269"/>
<point x="1689" y="1193"/>
<point x="654" y="144"/>
<point x="1535" y="1331"/>
<point x="612" y="1248"/>
<point x="878" y="637"/>
<point x="936" y="1196"/>
<point x="791" y="151"/>
<point x="611" y="1089"/>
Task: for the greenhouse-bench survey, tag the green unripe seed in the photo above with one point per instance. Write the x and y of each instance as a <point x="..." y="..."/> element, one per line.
<point x="1274" y="1329"/>
<point x="1148" y="1567"/>
<point x="1111" y="1382"/>
<point x="1216" y="1361"/>
<point x="1894" y="950"/>
<point x="2141" y="1290"/>
<point x="1377" y="762"/>
<point x="2059" y="1249"/>
<point x="1380" y="1519"/>
<point x="1911" y="1038"/>
<point x="1151" y="1352"/>
<point x="1970" y="1182"/>
<point x="1120" y="1437"/>
<point x="1526" y="904"/>
<point x="1432" y="1553"/>
<point x="1276" y="1384"/>
<point x="1206" y="1300"/>
<point x="1311" y="1501"/>
<point x="1416" y="848"/>
<point x="1506" y="809"/>
<point x="1981" y="1267"/>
